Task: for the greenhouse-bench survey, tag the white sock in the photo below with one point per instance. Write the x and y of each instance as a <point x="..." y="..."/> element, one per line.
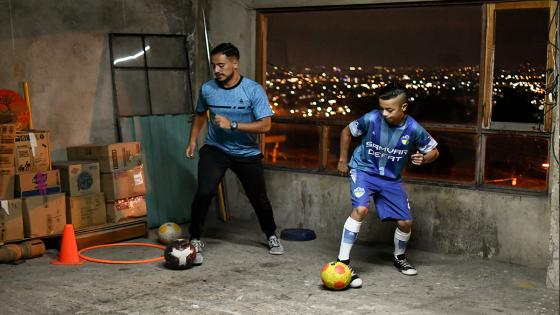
<point x="349" y="235"/>
<point x="401" y="239"/>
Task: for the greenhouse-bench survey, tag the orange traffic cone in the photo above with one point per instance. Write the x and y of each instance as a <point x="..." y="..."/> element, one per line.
<point x="68" y="248"/>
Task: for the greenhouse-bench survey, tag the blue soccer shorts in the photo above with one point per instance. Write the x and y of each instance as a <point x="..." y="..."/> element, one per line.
<point x="388" y="195"/>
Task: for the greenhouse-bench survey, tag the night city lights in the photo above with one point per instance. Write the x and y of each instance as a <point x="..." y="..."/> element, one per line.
<point x="342" y="93"/>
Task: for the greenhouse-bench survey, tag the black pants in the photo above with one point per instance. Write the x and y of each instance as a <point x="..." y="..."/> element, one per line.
<point x="212" y="167"/>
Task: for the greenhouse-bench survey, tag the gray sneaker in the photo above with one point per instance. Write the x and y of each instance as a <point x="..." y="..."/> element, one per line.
<point x="274" y="245"/>
<point x="198" y="245"/>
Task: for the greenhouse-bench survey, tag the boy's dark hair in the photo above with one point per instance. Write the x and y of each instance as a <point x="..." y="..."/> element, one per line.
<point x="227" y="49"/>
<point x="392" y="90"/>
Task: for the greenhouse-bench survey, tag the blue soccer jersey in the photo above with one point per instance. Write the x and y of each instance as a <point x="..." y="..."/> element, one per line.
<point x="245" y="102"/>
<point x="384" y="149"/>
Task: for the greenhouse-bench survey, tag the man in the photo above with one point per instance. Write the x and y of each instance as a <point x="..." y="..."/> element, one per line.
<point x="239" y="111"/>
<point x="388" y="136"/>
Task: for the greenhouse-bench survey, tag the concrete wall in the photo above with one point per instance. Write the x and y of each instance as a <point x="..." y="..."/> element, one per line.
<point x="234" y="22"/>
<point x="61" y="48"/>
<point x="505" y="227"/>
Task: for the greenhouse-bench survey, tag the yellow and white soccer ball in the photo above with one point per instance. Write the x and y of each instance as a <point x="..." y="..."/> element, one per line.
<point x="168" y="232"/>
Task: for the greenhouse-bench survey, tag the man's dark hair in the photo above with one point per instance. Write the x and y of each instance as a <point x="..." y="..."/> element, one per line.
<point x="392" y="90"/>
<point x="227" y="49"/>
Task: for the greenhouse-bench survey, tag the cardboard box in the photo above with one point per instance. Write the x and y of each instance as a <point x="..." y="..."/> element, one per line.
<point x="7" y="155"/>
<point x="8" y="131"/>
<point x="126" y="184"/>
<point x="32" y="151"/>
<point x="7" y="182"/>
<point x="44" y="215"/>
<point x="37" y="183"/>
<point x="79" y="178"/>
<point x="11" y="220"/>
<point x="87" y="210"/>
<point x="7" y="145"/>
<point x="123" y="209"/>
<point x="120" y="156"/>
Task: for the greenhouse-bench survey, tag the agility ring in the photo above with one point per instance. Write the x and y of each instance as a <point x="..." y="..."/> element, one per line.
<point x="109" y="261"/>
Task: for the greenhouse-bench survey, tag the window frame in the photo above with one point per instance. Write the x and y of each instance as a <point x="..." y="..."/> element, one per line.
<point x="483" y="126"/>
<point x="489" y="48"/>
<point x="188" y="109"/>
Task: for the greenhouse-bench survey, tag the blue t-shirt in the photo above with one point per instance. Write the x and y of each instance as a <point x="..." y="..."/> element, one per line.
<point x="384" y="149"/>
<point x="244" y="102"/>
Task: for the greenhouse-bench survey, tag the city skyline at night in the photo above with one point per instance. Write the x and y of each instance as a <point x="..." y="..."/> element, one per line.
<point x="348" y="92"/>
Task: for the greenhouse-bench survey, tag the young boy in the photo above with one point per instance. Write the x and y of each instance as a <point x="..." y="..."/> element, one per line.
<point x="388" y="135"/>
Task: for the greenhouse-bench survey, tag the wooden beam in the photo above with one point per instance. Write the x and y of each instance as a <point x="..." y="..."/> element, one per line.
<point x="324" y="146"/>
<point x="260" y="75"/>
<point x="488" y="65"/>
<point x="550" y="66"/>
<point x="481" y="112"/>
<point x="523" y="5"/>
<point x="111" y="233"/>
<point x="262" y="52"/>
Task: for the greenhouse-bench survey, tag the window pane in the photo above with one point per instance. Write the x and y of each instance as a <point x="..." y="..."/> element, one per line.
<point x="450" y="96"/>
<point x="524" y="167"/>
<point x="132" y="94"/>
<point x="128" y="51"/>
<point x="519" y="67"/>
<point x="328" y="64"/>
<point x="456" y="162"/>
<point x="170" y="92"/>
<point x="166" y="52"/>
<point x="292" y="145"/>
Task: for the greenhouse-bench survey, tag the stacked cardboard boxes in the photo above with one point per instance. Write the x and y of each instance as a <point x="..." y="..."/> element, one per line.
<point x="44" y="209"/>
<point x="44" y="215"/>
<point x="32" y="151"/>
<point x="11" y="220"/>
<point x="122" y="177"/>
<point x="7" y="152"/>
<point x="85" y="203"/>
<point x="35" y="183"/>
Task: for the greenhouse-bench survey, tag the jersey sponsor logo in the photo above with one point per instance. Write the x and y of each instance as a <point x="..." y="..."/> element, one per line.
<point x="389" y="153"/>
<point x="359" y="191"/>
<point x="388" y="150"/>
<point x="405" y="139"/>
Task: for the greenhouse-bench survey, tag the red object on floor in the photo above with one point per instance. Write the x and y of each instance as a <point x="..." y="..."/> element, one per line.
<point x="68" y="248"/>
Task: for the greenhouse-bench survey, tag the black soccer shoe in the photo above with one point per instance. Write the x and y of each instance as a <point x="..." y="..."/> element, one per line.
<point x="404" y="266"/>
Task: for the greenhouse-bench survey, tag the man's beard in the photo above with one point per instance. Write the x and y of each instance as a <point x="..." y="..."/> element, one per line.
<point x="227" y="79"/>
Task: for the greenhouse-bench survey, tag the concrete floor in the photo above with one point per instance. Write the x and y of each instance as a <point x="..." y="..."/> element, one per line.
<point x="240" y="277"/>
